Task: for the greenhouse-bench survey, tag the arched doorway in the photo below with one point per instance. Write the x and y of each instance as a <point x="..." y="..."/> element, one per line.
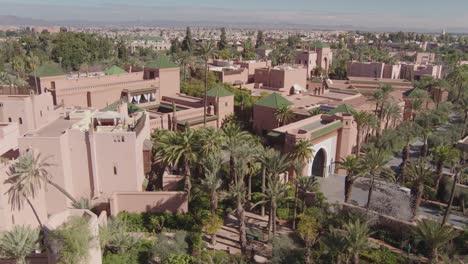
<point x="319" y="163"/>
<point x="325" y="60"/>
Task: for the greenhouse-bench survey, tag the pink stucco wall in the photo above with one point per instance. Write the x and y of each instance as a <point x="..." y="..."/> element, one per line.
<point x="9" y="133"/>
<point x="29" y="111"/>
<point x="84" y="161"/>
<point x="156" y="202"/>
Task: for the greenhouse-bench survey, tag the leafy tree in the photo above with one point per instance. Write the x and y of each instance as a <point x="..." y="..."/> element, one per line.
<point x="71" y="240"/>
<point x="434" y="237"/>
<point x="260" y="39"/>
<point x="222" y="44"/>
<point x="187" y="43"/>
<point x="212" y="225"/>
<point x="248" y="52"/>
<point x="18" y="243"/>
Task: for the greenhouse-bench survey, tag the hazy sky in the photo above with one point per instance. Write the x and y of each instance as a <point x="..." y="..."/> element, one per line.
<point x="422" y="14"/>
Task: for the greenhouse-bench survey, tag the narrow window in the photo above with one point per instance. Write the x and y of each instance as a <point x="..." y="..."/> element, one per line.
<point x="20" y="120"/>
<point x="40" y="112"/>
<point x="9" y="119"/>
<point x="115" y="170"/>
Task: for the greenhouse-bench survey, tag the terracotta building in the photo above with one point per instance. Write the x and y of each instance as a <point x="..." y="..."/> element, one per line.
<point x="100" y="89"/>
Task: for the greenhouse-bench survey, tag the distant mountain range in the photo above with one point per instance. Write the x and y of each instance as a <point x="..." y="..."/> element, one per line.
<point x="10" y="20"/>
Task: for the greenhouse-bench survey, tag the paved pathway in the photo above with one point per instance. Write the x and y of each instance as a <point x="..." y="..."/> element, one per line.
<point x="333" y="188"/>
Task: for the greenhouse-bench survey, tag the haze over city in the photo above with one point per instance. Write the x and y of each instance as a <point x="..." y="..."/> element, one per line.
<point x="244" y="132"/>
<point x="360" y="14"/>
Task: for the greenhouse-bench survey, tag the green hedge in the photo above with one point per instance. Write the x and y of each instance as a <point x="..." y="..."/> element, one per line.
<point x="383" y="256"/>
<point x="151" y="222"/>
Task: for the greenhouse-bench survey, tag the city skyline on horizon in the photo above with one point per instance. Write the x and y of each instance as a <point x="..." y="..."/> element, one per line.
<point x="364" y="14"/>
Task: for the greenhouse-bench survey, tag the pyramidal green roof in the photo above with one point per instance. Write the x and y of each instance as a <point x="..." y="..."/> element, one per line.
<point x="162" y="62"/>
<point x="319" y="44"/>
<point x="114" y="70"/>
<point x="343" y="108"/>
<point x="273" y="100"/>
<point x="219" y="91"/>
<point x="49" y="69"/>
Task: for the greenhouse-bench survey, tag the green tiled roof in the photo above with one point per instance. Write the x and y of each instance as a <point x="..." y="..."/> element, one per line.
<point x="319" y="44"/>
<point x="142" y="89"/>
<point x="326" y="130"/>
<point x="343" y="108"/>
<point x="111" y="107"/>
<point x="219" y="91"/>
<point x="49" y="69"/>
<point x="273" y="100"/>
<point x="197" y="121"/>
<point x="114" y="70"/>
<point x="162" y="62"/>
<point x="264" y="47"/>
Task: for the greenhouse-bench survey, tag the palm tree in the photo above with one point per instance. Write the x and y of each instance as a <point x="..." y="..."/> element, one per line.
<point x="444" y="155"/>
<point x="373" y="162"/>
<point x="234" y="137"/>
<point x="206" y="50"/>
<point x="237" y="191"/>
<point x="209" y="140"/>
<point x="434" y="236"/>
<point x="462" y="108"/>
<point x="32" y="62"/>
<point x="308" y="230"/>
<point x="274" y="163"/>
<point x="353" y="167"/>
<point x="427" y="123"/>
<point x="18" y="243"/>
<point x="407" y="131"/>
<point x="284" y="115"/>
<point x="357" y="234"/>
<point x="364" y="120"/>
<point x="335" y="243"/>
<point x="392" y="114"/>
<point x="452" y="195"/>
<point x="176" y="147"/>
<point x="26" y="177"/>
<point x="211" y="183"/>
<point x="420" y="172"/>
<point x="418" y="100"/>
<point x="18" y="65"/>
<point x="303" y="184"/>
<point x="276" y="190"/>
<point x="458" y="78"/>
<point x="303" y="152"/>
<point x="184" y="58"/>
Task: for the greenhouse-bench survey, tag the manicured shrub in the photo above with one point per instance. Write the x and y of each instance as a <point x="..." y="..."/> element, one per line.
<point x="384" y="256"/>
<point x="71" y="240"/>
